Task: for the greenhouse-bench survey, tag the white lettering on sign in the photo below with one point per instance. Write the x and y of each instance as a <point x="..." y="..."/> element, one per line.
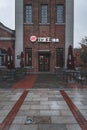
<point x="55" y="40"/>
<point x="43" y="39"/>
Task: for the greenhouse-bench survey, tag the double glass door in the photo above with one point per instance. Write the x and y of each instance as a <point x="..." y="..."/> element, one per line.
<point x="44" y="62"/>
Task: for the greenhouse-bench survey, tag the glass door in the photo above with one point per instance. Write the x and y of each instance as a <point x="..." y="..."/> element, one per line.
<point x="44" y="62"/>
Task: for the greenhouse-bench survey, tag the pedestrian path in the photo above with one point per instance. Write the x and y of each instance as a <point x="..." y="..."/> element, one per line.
<point x="45" y="81"/>
<point x="12" y="113"/>
<point x="26" y="82"/>
<point x="43" y="109"/>
<point x="41" y="102"/>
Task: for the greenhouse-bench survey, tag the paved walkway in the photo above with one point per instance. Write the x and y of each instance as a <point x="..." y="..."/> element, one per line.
<point x="40" y="81"/>
<point x="26" y="82"/>
<point x="43" y="108"/>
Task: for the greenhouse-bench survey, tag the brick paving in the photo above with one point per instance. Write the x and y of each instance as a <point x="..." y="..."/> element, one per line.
<point x="49" y="81"/>
<point x="11" y="115"/>
<point x="42" y="107"/>
<point x="26" y="82"/>
<point x="78" y="116"/>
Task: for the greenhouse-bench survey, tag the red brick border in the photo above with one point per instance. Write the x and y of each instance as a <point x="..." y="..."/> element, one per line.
<point x="10" y="117"/>
<point x="78" y="116"/>
<point x="27" y="82"/>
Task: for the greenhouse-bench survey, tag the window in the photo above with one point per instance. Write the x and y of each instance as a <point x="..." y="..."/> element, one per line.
<point x="28" y="57"/>
<point x="28" y="14"/>
<point x="44" y="14"/>
<point x="59" y="57"/>
<point x="3" y="55"/>
<point x="60" y="13"/>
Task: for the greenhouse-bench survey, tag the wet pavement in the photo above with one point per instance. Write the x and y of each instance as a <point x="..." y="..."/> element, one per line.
<point x="49" y="81"/>
<point x="48" y="105"/>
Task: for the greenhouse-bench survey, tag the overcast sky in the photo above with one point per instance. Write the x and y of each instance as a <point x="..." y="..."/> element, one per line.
<point x="7" y="17"/>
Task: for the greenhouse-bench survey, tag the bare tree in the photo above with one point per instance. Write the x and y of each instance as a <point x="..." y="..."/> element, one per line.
<point x="83" y="44"/>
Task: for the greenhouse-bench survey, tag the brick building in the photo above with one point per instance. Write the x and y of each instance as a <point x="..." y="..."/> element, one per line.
<point x="7" y="40"/>
<point x="77" y="59"/>
<point x="79" y="63"/>
<point x="44" y="31"/>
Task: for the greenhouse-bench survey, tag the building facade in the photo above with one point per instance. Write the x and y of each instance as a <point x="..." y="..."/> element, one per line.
<point x="77" y="57"/>
<point x="80" y="63"/>
<point x="7" y="41"/>
<point x="44" y="31"/>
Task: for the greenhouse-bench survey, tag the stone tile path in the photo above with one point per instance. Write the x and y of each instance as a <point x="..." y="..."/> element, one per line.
<point x="43" y="103"/>
<point x="47" y="108"/>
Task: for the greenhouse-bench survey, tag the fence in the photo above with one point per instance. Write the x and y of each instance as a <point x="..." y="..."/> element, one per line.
<point x="62" y="74"/>
<point x="14" y="73"/>
<point x="71" y="76"/>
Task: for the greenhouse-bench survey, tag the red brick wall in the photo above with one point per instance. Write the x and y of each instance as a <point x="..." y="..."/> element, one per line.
<point x="6" y="43"/>
<point x="4" y="33"/>
<point x="51" y="30"/>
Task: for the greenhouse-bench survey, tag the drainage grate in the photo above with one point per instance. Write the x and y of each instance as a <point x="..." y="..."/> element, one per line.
<point x="29" y="120"/>
<point x="38" y="120"/>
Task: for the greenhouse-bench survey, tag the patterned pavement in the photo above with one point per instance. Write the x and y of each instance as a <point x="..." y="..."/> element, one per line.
<point x="43" y="108"/>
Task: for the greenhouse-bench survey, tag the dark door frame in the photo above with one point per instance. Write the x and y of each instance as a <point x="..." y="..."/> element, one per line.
<point x="44" y="62"/>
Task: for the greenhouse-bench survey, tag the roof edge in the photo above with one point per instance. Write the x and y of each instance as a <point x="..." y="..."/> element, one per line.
<point x="2" y="26"/>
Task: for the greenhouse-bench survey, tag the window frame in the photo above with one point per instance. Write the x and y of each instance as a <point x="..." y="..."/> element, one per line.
<point x="61" y="15"/>
<point x="3" y="57"/>
<point x="28" y="56"/>
<point x="28" y="19"/>
<point x="42" y="17"/>
<point x="59" y="55"/>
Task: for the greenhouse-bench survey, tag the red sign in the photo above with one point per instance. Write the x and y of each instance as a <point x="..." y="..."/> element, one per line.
<point x="33" y="38"/>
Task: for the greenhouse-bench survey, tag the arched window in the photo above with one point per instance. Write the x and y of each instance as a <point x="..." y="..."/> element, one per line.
<point x="3" y="54"/>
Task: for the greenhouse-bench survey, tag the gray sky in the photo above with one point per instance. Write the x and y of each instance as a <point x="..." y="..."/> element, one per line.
<point x="7" y="17"/>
